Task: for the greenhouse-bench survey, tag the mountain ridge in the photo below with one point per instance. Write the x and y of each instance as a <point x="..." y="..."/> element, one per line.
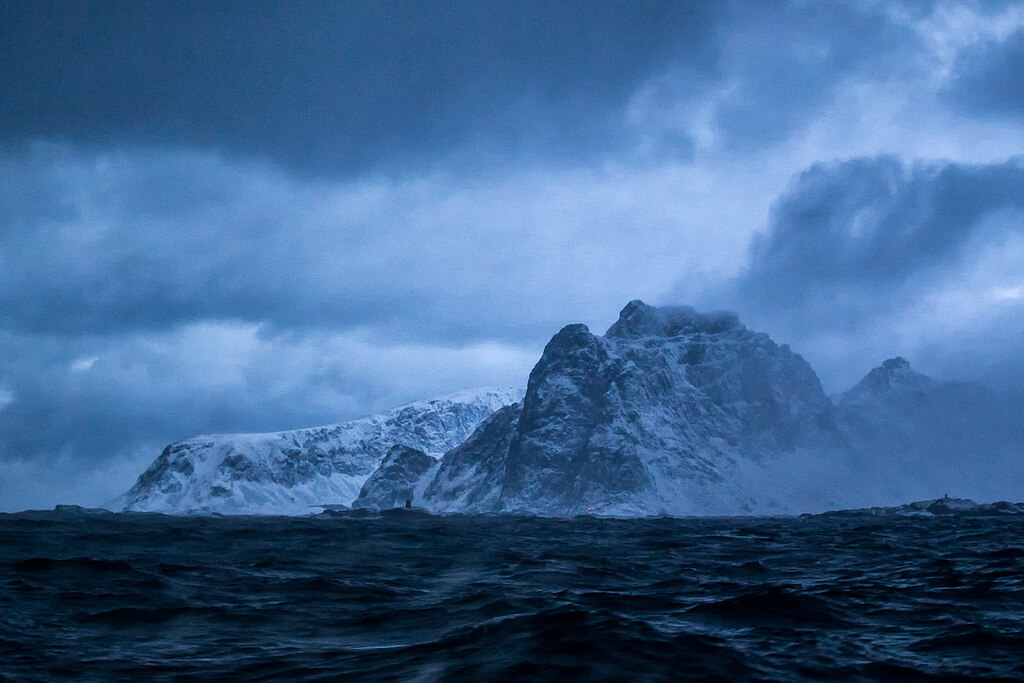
<point x="670" y="412"/>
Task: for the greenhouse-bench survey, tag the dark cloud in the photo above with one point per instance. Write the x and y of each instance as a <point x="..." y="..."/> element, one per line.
<point x="332" y="88"/>
<point x="987" y="77"/>
<point x="328" y="86"/>
<point x="876" y="256"/>
<point x="852" y="229"/>
<point x="149" y="240"/>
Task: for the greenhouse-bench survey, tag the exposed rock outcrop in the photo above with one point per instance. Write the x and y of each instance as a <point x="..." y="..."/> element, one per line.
<point x="400" y="479"/>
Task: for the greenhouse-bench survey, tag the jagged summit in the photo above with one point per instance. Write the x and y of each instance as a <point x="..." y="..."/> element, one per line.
<point x="650" y="418"/>
<point x="637" y="319"/>
<point x="912" y="436"/>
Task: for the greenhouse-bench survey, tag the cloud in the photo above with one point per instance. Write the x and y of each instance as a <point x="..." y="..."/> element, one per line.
<point x="337" y="87"/>
<point x="874" y="254"/>
<point x="781" y="66"/>
<point x="351" y="88"/>
<point x="873" y="223"/>
<point x="987" y="74"/>
<point x="147" y="240"/>
<point x="84" y="363"/>
<point x="34" y="484"/>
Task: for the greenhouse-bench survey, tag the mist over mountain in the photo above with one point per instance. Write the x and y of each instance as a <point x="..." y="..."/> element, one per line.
<point x="918" y="438"/>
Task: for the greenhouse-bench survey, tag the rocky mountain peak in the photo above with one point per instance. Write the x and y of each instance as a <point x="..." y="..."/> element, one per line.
<point x="646" y="418"/>
<point x="568" y="339"/>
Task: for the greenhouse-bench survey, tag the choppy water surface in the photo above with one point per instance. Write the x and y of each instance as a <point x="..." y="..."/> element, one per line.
<point x="472" y="598"/>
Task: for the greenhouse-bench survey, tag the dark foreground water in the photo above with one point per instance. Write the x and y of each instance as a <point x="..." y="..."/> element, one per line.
<point x="405" y="597"/>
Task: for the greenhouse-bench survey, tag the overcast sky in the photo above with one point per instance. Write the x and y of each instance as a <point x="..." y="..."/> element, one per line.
<point x="227" y="216"/>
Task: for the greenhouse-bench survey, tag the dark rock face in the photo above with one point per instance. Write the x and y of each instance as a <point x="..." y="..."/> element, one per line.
<point x="470" y="476"/>
<point x="555" y="461"/>
<point x="401" y="477"/>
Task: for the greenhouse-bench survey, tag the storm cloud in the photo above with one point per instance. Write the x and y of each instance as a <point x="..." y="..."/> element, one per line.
<point x="152" y="240"/>
<point x="347" y="88"/>
<point x="873" y="244"/>
<point x="867" y="226"/>
<point x="330" y="87"/>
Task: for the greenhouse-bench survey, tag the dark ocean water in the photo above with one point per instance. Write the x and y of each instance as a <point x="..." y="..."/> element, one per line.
<point x="405" y="597"/>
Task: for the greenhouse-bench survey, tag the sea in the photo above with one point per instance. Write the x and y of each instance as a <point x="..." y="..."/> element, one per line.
<point x="404" y="596"/>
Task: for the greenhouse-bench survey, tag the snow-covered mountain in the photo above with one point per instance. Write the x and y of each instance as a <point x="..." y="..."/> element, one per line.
<point x="671" y="412"/>
<point x="658" y="416"/>
<point x="287" y="472"/>
<point x="877" y="407"/>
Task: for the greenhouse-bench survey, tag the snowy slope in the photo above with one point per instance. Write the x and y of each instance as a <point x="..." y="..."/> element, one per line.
<point x="287" y="472"/>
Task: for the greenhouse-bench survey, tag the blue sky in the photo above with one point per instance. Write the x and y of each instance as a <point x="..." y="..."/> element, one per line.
<point x="221" y="217"/>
